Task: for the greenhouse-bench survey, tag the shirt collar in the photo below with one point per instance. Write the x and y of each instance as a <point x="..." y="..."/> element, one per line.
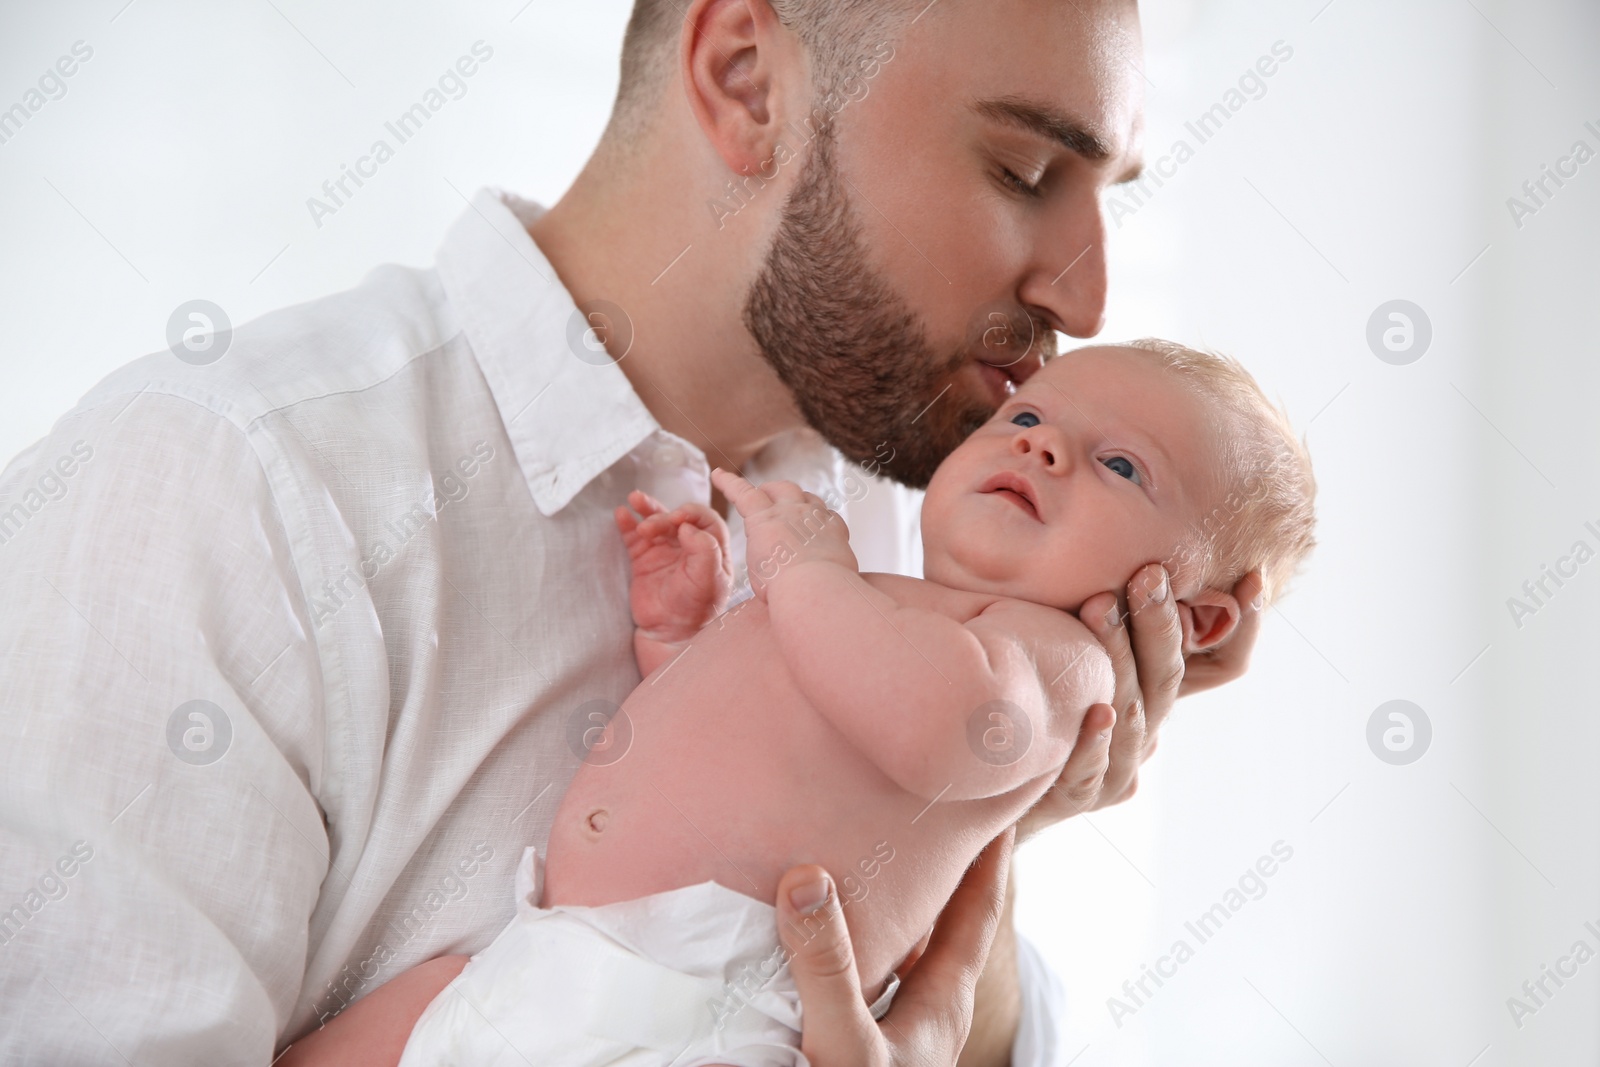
<point x="568" y="417"/>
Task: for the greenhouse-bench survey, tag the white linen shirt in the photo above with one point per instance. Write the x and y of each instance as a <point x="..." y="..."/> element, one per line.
<point x="298" y="645"/>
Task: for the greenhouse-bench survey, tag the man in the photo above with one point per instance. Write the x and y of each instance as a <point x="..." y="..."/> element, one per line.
<point x="303" y="645"/>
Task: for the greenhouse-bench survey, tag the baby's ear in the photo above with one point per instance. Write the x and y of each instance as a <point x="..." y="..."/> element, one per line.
<point x="1209" y="618"/>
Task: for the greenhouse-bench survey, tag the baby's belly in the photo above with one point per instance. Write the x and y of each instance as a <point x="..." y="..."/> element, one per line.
<point x="731" y="776"/>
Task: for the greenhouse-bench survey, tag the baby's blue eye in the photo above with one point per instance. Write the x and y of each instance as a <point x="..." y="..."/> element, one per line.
<point x="1019" y="416"/>
<point x="1123" y="466"/>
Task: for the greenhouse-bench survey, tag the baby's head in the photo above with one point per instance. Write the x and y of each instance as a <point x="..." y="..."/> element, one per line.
<point x="1113" y="457"/>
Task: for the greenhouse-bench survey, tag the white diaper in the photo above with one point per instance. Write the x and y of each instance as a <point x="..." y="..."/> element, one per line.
<point x="690" y="976"/>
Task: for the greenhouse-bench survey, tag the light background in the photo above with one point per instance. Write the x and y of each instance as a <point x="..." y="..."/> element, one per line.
<point x="1376" y="165"/>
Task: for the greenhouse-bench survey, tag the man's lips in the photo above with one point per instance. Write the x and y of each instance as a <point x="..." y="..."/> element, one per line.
<point x="1001" y="382"/>
<point x="1014" y="487"/>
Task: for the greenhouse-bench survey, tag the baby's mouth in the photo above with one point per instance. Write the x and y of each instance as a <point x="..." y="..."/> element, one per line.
<point x="1015" y="488"/>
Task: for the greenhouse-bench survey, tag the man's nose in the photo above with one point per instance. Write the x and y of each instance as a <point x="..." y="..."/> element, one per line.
<point x="1067" y="283"/>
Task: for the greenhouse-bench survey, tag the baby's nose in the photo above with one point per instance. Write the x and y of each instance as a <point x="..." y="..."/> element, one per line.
<point x="1038" y="445"/>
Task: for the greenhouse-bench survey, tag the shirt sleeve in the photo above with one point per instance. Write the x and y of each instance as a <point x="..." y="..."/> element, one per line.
<point x="1044" y="1010"/>
<point x="160" y="739"/>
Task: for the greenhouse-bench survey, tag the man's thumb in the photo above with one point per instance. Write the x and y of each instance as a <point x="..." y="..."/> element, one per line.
<point x="812" y="928"/>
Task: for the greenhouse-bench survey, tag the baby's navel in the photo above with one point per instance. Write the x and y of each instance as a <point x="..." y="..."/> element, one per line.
<point x="596" y="822"/>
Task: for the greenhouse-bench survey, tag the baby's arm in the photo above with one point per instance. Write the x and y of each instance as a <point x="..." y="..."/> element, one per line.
<point x="913" y="689"/>
<point x="374" y="1030"/>
<point x="682" y="575"/>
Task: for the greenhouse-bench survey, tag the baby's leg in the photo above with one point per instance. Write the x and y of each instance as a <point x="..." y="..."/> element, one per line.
<point x="373" y="1031"/>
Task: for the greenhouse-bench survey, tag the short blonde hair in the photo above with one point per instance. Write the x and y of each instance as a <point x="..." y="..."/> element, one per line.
<point x="1265" y="518"/>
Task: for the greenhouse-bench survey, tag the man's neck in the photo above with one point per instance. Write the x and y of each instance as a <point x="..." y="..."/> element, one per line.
<point x="648" y="248"/>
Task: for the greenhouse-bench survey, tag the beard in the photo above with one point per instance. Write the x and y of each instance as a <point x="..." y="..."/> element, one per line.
<point x="853" y="354"/>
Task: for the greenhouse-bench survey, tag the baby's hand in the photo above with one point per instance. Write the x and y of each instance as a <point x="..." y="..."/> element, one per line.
<point x="682" y="575"/>
<point x="784" y="524"/>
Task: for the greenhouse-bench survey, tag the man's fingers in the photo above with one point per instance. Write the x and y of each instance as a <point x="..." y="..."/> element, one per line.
<point x="1108" y="623"/>
<point x="837" y="1024"/>
<point x="1084" y="775"/>
<point x="932" y="1012"/>
<point x="1157" y="635"/>
<point x="1079" y="785"/>
<point x="938" y="994"/>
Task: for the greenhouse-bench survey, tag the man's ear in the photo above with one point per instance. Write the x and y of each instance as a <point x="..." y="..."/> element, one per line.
<point x="741" y="68"/>
<point x="1209" y="618"/>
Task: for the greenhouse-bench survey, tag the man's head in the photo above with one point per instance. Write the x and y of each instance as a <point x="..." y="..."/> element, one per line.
<point x="916" y="187"/>
<point x="1115" y="457"/>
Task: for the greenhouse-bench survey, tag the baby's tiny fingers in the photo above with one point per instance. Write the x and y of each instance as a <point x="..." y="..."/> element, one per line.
<point x="695" y="539"/>
<point x="657" y="524"/>
<point x="786" y="491"/>
<point x="645" y="504"/>
<point x="747" y="498"/>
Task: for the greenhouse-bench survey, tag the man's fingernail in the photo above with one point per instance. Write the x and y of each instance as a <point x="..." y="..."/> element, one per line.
<point x="1114" y="617"/>
<point x="809" y="897"/>
<point x="1259" y="602"/>
<point x="1159" y="593"/>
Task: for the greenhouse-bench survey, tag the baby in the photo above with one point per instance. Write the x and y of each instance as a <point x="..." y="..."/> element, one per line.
<point x="879" y="725"/>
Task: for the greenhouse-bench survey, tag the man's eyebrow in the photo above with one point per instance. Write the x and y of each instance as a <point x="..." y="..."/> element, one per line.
<point x="1051" y="123"/>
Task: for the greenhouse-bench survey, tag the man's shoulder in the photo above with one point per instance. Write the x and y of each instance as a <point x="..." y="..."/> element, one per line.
<point x="344" y="343"/>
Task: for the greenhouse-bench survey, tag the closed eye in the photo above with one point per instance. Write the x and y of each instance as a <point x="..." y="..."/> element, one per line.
<point x="1016" y="184"/>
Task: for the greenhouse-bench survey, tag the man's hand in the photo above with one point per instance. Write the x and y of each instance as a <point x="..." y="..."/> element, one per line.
<point x="1145" y="643"/>
<point x="682" y="575"/>
<point x="784" y="525"/>
<point x="932" y="1011"/>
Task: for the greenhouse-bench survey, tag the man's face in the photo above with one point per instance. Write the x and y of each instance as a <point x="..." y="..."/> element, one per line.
<point x="914" y="279"/>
